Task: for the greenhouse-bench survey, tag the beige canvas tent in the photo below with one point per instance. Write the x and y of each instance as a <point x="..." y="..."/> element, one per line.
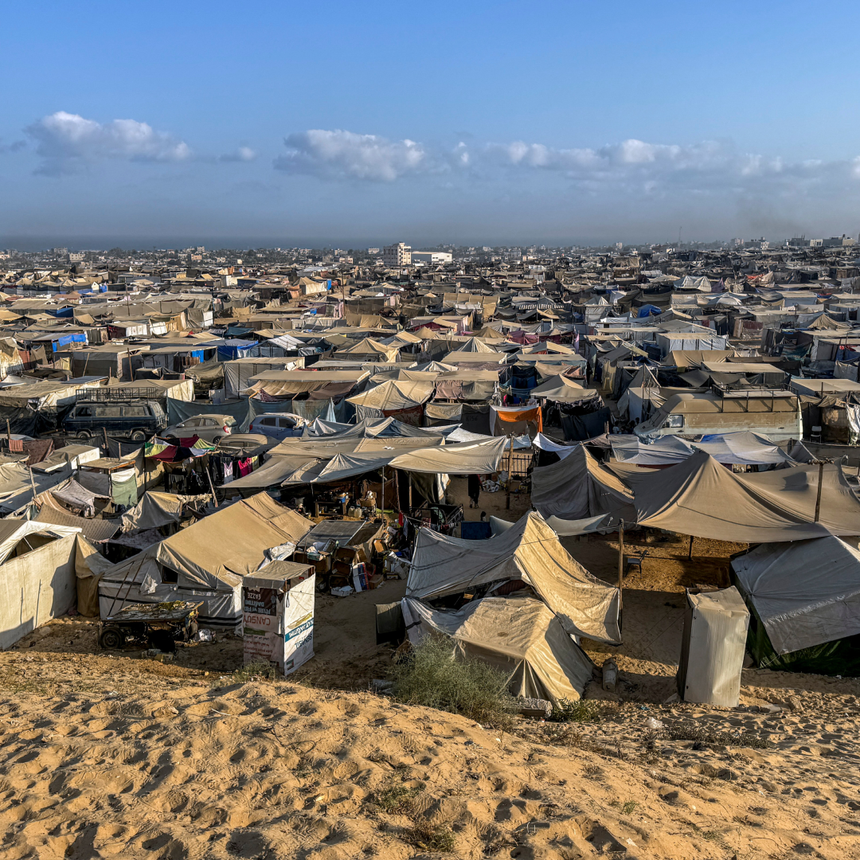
<point x="528" y="552"/>
<point x="520" y="636"/>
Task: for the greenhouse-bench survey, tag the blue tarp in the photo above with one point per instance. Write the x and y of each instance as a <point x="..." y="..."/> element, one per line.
<point x="66" y="339"/>
<point x="232" y="349"/>
<point x="649" y="311"/>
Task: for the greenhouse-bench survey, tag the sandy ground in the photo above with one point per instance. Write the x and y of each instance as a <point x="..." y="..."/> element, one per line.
<point x="113" y="755"/>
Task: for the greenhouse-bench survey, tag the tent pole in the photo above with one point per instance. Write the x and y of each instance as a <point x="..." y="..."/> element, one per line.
<point x="510" y="476"/>
<point x="410" y="493"/>
<point x="820" y="484"/>
<point x="383" y="494"/>
<point x="620" y="562"/>
<point x="690" y="550"/>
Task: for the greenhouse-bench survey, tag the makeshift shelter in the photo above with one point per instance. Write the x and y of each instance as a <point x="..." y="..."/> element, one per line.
<point x="578" y="487"/>
<point x="530" y="553"/>
<point x="403" y="400"/>
<point x="157" y="509"/>
<point x="521" y="637"/>
<point x="207" y="560"/>
<point x="700" y="497"/>
<point x="37" y="576"/>
<point x="805" y="602"/>
<point x="515" y="420"/>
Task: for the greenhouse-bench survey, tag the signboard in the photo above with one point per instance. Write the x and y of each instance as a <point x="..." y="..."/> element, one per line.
<point x="299" y="624"/>
<point x="262" y="625"/>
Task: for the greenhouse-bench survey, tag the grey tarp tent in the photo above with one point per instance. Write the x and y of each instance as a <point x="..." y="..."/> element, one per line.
<point x="702" y="498"/>
<point x="530" y="552"/>
<point x="578" y="487"/>
<point x="520" y="636"/>
<point x="806" y="596"/>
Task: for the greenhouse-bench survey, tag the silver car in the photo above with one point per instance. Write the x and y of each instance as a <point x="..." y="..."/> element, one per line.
<point x="210" y="428"/>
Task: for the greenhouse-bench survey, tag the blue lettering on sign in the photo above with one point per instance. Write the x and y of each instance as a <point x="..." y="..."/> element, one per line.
<point x="292" y="634"/>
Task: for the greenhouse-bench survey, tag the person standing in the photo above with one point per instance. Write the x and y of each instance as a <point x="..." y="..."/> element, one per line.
<point x="474" y="490"/>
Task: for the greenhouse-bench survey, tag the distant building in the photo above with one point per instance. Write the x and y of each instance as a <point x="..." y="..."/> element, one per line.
<point x="76" y="257"/>
<point x="431" y="258"/>
<point x="373" y="251"/>
<point x="396" y="256"/>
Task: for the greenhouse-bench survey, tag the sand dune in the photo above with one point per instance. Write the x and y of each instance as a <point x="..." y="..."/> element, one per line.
<point x="125" y="758"/>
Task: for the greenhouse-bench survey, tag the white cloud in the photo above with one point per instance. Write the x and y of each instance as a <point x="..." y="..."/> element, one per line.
<point x="345" y="154"/>
<point x="66" y="140"/>
<point x="243" y="153"/>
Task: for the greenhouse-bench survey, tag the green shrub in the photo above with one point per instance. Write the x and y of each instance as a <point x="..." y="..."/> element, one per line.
<point x="583" y="711"/>
<point x="430" y="837"/>
<point x="430" y="676"/>
<point x="255" y="672"/>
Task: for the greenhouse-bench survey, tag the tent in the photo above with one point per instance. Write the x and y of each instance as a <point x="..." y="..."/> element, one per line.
<point x="743" y="448"/>
<point x="578" y="487"/>
<point x="667" y="451"/>
<point x="805" y="597"/>
<point x="206" y="561"/>
<point x="396" y="399"/>
<point x="157" y="509"/>
<point x="703" y="498"/>
<point x="563" y="390"/>
<point x="521" y="637"/>
<point x="528" y="552"/>
<point x="466" y="458"/>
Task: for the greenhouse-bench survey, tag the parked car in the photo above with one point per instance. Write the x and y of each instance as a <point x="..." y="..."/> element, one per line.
<point x="208" y="427"/>
<point x="278" y="425"/>
<point x="135" y="419"/>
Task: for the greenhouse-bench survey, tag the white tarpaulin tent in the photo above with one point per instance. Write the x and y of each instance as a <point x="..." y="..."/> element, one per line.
<point x="467" y="458"/>
<point x="529" y="551"/>
<point x="520" y="636"/>
<point x="806" y="593"/>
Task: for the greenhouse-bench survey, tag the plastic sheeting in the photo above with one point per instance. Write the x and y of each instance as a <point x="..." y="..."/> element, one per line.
<point x="712" y="653"/>
<point x="14" y="530"/>
<point x="157" y="509"/>
<point x="578" y="487"/>
<point x="667" y="451"/>
<point x="230" y="543"/>
<point x="563" y="390"/>
<point x="394" y="395"/>
<point x="529" y="551"/>
<point x="521" y="637"/>
<point x="806" y="593"/>
<point x="743" y="449"/>
<point x="702" y="498"/>
<point x="467" y="458"/>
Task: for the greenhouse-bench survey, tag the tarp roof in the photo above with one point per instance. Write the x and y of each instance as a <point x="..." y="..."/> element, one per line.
<point x="230" y="543"/>
<point x="394" y="395"/>
<point x="563" y="390"/>
<point x="466" y="458"/>
<point x="700" y="497"/>
<point x="578" y="487"/>
<point x="806" y="593"/>
<point x="520" y="636"/>
<point x="529" y="551"/>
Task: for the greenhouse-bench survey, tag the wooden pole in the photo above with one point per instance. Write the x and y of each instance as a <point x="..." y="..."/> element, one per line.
<point x="690" y="550"/>
<point x="32" y="482"/>
<point x="620" y="561"/>
<point x="410" y="493"/>
<point x="820" y="485"/>
<point x="510" y="476"/>
<point x="9" y="434"/>
<point x="107" y="447"/>
<point x="211" y="486"/>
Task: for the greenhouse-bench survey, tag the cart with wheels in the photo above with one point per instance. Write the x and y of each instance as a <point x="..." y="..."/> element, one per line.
<point x="158" y="625"/>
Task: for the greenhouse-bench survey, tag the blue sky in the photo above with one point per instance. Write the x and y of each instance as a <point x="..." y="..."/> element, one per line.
<point x="485" y="122"/>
